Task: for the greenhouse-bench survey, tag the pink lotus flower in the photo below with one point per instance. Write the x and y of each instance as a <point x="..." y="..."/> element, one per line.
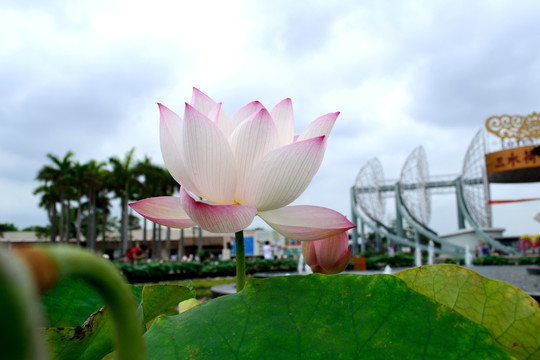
<point x="233" y="168"/>
<point x="328" y="256"/>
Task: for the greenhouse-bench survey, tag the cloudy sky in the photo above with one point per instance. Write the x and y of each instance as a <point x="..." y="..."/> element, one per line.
<point x="86" y="76"/>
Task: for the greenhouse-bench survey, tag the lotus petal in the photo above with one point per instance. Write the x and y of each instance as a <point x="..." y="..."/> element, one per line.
<point x="250" y="141"/>
<point x="342" y="263"/>
<point x="308" y="250"/>
<point x="202" y="102"/>
<point x="320" y="126"/>
<point x="283" y="174"/>
<point x="333" y="253"/>
<point x="305" y="222"/>
<point x="213" y="115"/>
<point x="208" y="158"/>
<point x="283" y="117"/>
<point x="170" y="132"/>
<point x="328" y="256"/>
<point x="245" y="112"/>
<point x="217" y="218"/>
<point x="206" y="105"/>
<point x="164" y="210"/>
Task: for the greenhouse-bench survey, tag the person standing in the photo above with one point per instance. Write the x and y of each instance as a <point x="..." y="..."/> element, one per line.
<point x="137" y="253"/>
<point x="267" y="251"/>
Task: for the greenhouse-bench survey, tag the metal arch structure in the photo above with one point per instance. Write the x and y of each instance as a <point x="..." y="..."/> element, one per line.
<point x="413" y="192"/>
<point x="472" y="191"/>
<point x="378" y="229"/>
<point x="474" y="183"/>
<point x="381" y="230"/>
<point x="412" y="197"/>
<point x="511" y="161"/>
<point x="424" y="230"/>
<point x="369" y="181"/>
<point x="478" y="230"/>
<point x="367" y="193"/>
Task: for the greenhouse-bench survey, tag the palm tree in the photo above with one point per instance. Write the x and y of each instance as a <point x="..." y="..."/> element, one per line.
<point x="103" y="210"/>
<point x="49" y="198"/>
<point x="168" y="187"/>
<point x="144" y="171"/>
<point x="58" y="176"/>
<point x="93" y="176"/>
<point x="78" y="189"/>
<point x="124" y="181"/>
<point x="155" y="181"/>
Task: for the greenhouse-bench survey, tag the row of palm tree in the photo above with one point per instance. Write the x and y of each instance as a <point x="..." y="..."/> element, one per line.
<point x="77" y="196"/>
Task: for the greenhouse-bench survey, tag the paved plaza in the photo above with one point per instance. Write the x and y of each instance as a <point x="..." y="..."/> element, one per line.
<point x="516" y="275"/>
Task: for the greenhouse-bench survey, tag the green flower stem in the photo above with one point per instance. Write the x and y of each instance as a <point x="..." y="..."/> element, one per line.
<point x="110" y="284"/>
<point x="240" y="261"/>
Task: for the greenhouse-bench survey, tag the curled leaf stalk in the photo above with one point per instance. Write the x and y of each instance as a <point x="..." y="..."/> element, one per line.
<point x="20" y="312"/>
<point x="67" y="261"/>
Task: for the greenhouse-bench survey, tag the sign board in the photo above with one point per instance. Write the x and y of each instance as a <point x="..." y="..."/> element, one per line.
<point x="248" y="245"/>
<point x="512" y="160"/>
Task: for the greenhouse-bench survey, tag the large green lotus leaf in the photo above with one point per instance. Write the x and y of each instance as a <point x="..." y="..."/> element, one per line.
<point x="77" y="333"/>
<point x="70" y="303"/>
<point x="79" y="328"/>
<point x="321" y="317"/>
<point x="163" y="299"/>
<point x="510" y="315"/>
<point x="93" y="340"/>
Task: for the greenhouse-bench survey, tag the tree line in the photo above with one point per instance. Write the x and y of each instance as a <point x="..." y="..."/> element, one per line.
<point x="78" y="196"/>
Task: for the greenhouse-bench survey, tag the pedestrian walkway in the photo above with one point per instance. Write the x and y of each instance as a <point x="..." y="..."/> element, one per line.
<point x="516" y="275"/>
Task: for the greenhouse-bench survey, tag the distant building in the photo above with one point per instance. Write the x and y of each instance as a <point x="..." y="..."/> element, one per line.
<point x="214" y="245"/>
<point x="468" y="237"/>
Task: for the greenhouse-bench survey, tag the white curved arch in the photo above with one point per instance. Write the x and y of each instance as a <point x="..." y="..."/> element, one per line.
<point x="413" y="190"/>
<point x="368" y="190"/>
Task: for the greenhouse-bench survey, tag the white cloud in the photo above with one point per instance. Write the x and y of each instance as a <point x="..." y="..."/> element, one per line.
<point x="86" y="76"/>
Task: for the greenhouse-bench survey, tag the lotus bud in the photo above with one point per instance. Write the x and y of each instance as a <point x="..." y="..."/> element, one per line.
<point x="328" y="256"/>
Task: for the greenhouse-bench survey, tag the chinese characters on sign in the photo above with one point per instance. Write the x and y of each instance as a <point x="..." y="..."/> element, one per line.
<point x="511" y="159"/>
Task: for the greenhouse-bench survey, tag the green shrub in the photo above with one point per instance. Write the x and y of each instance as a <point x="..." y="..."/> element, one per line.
<point x="154" y="271"/>
<point x="528" y="260"/>
<point x="456" y="261"/>
<point x="491" y="260"/>
<point x="399" y="260"/>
